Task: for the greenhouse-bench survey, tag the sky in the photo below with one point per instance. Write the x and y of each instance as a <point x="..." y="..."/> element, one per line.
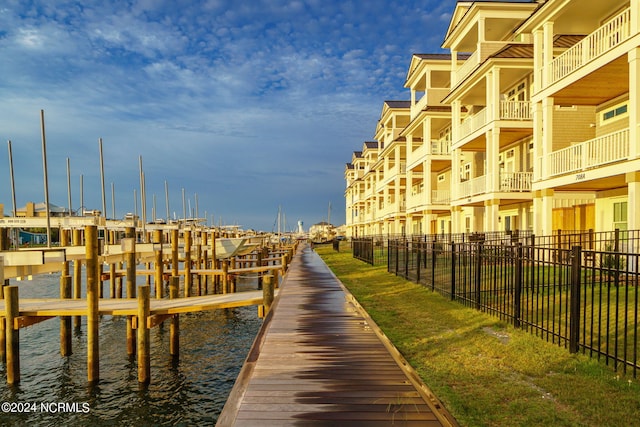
<point x="247" y="108"/>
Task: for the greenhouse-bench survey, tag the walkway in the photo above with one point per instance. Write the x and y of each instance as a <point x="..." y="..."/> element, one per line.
<point x="318" y="361"/>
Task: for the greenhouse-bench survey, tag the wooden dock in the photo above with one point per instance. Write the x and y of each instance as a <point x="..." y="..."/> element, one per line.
<point x="319" y="360"/>
<point x="53" y="307"/>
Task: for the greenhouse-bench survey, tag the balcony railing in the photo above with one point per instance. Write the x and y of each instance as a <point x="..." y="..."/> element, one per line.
<point x="608" y="36"/>
<point x="469" y="65"/>
<point x="440" y="197"/>
<point x="515" y="181"/>
<point x="441" y="147"/>
<point x="473" y="123"/>
<point x="590" y="154"/>
<point x="473" y="187"/>
<point x="515" y="110"/>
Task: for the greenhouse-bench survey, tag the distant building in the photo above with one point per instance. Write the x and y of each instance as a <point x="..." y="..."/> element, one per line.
<point x="31" y="210"/>
<point x="322" y="232"/>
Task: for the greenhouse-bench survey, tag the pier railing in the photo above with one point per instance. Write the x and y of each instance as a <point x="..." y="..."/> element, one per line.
<point x="578" y="290"/>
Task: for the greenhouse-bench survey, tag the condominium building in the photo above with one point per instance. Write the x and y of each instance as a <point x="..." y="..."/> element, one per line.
<point x="531" y="122"/>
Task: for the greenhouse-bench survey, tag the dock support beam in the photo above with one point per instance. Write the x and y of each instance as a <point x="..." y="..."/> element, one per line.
<point x="159" y="266"/>
<point x="130" y="260"/>
<point x="268" y="292"/>
<point x="174" y="328"/>
<point x="77" y="274"/>
<point x="187" y="263"/>
<point x="12" y="335"/>
<point x="65" y="292"/>
<point x="144" y="359"/>
<point x="93" y="285"/>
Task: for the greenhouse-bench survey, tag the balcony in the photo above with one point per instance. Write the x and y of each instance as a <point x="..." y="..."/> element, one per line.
<point x="605" y="38"/>
<point x="509" y="110"/>
<point x="484" y="50"/>
<point x="473" y="123"/>
<point x="515" y="181"/>
<point x="509" y="182"/>
<point x="472" y="187"/>
<point x="591" y="154"/>
<point x="440" y="197"/>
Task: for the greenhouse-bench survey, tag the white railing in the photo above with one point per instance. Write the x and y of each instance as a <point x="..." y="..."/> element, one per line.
<point x="596" y="152"/>
<point x="441" y="147"/>
<point x="473" y="123"/>
<point x="515" y="110"/>
<point x="472" y="187"/>
<point x="440" y="197"/>
<point x="515" y="181"/>
<point x="467" y="67"/>
<point x="595" y="44"/>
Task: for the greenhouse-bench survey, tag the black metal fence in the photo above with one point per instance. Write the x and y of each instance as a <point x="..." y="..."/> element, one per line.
<point x="578" y="290"/>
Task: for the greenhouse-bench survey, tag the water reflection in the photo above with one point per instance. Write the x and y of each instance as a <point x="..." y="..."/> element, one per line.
<point x="191" y="390"/>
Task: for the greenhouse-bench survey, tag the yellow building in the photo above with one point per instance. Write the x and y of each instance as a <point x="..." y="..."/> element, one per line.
<point x="530" y="123"/>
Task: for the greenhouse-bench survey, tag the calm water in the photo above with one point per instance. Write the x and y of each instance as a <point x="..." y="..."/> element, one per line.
<point x="213" y="346"/>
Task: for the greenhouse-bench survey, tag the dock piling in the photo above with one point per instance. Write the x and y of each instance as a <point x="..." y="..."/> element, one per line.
<point x="174" y="328"/>
<point x="144" y="359"/>
<point x="12" y="335"/>
<point x="93" y="285"/>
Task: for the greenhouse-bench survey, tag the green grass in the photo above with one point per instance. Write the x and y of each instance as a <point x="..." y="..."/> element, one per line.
<point x="484" y="371"/>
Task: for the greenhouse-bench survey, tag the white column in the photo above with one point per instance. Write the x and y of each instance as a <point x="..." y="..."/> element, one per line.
<point x="492" y="150"/>
<point x="633" y="200"/>
<point x="634" y="102"/>
<point x="547" y="54"/>
<point x="491" y="214"/>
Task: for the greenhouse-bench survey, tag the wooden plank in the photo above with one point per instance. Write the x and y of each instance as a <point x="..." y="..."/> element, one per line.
<point x="318" y="360"/>
<point x="47" y="307"/>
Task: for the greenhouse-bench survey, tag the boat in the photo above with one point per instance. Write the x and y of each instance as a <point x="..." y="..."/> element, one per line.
<point x="227" y="247"/>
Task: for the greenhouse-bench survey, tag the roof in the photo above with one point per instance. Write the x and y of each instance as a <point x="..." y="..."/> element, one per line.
<point x="398" y="104"/>
<point x="515" y="51"/>
<point x="41" y="207"/>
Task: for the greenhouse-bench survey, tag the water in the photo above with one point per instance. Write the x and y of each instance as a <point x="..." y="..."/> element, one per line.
<point x="54" y="389"/>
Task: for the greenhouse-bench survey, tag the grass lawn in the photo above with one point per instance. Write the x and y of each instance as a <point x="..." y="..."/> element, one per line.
<point x="484" y="371"/>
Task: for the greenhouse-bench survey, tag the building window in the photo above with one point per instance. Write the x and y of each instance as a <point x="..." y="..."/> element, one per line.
<point x="620" y="216"/>
<point x="616" y="112"/>
<point x="441" y="177"/>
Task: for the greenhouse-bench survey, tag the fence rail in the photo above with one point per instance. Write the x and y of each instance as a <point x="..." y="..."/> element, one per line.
<point x="581" y="297"/>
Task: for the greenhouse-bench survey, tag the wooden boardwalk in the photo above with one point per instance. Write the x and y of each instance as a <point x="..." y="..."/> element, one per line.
<point x="319" y="360"/>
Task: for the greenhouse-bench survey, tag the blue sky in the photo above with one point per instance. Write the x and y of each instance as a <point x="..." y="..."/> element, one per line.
<point x="250" y="105"/>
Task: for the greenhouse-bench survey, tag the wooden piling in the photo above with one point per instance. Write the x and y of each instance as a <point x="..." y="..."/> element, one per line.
<point x="3" y="345"/>
<point x="112" y="280"/>
<point x="65" y="321"/>
<point x="225" y="276"/>
<point x="77" y="274"/>
<point x="187" y="263"/>
<point x="268" y="292"/>
<point x="159" y="265"/>
<point x="130" y="260"/>
<point x="12" y="335"/>
<point x="174" y="252"/>
<point x="93" y="284"/>
<point x="144" y="357"/>
<point x="174" y="328"/>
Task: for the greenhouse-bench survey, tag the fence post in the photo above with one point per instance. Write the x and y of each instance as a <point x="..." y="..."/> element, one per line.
<point x="517" y="294"/>
<point x="406" y="259"/>
<point x="478" y="284"/>
<point x="453" y="271"/>
<point x="574" y="307"/>
<point x="418" y="256"/>
<point x="433" y="265"/>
